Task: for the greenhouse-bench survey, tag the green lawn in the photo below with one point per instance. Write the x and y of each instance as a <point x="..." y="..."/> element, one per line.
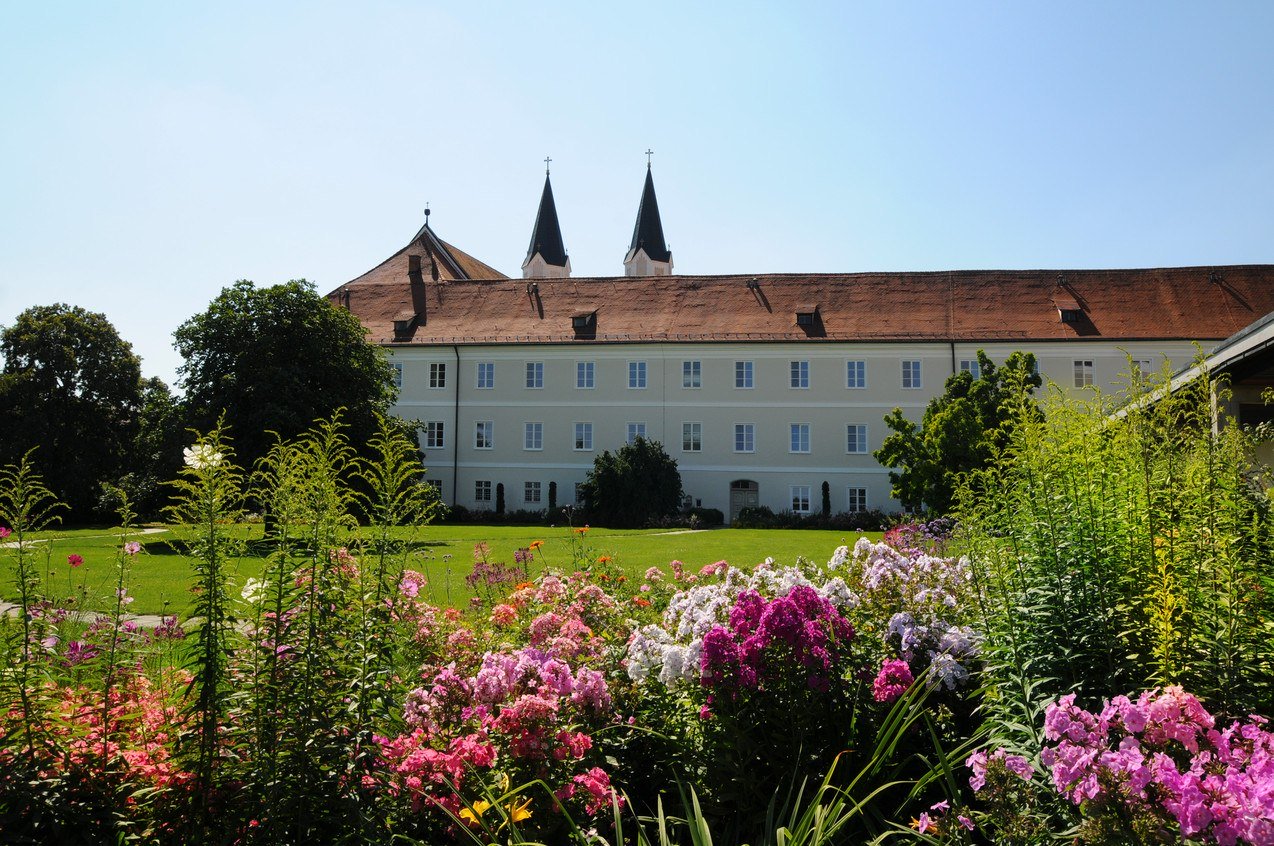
<point x="160" y="577"/>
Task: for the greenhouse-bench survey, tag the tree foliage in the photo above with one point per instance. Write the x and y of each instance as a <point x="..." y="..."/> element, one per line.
<point x="274" y="360"/>
<point x="71" y="387"/>
<point x="961" y="431"/>
<point x="633" y="486"/>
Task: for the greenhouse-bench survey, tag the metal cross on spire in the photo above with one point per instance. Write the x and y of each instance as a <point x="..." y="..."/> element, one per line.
<point x="649" y="153"/>
<point x="426" y="213"/>
<point x="546" y="165"/>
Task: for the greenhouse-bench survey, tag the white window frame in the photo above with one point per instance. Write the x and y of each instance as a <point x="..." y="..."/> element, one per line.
<point x="798" y="495"/>
<point x="799" y="373"/>
<point x="397" y="379"/>
<point x="855" y="371"/>
<point x="482" y="490"/>
<point x="635" y="430"/>
<point x="744" y="375"/>
<point x="585" y="375"/>
<point x="692" y="374"/>
<point x="691" y="436"/>
<point x="535" y="375"/>
<point x="745" y="437"/>
<point x="852" y="493"/>
<point x="799" y="438"/>
<point x="435" y="434"/>
<point x="583" y="436"/>
<point x="1141" y="369"/>
<point x="637" y="375"/>
<point x="971" y="366"/>
<point x="532" y="493"/>
<point x="484" y="434"/>
<point x="856" y="436"/>
<point x="1083" y="370"/>
<point x="437" y="374"/>
<point x="912" y="378"/>
<point x="484" y="379"/>
<point x="533" y="435"/>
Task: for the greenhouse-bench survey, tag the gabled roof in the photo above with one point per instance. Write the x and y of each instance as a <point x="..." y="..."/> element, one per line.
<point x="546" y="237"/>
<point x="1184" y="303"/>
<point x="451" y="263"/>
<point x="648" y="232"/>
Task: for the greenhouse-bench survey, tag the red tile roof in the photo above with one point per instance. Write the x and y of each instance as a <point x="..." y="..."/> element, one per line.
<point x="1189" y="303"/>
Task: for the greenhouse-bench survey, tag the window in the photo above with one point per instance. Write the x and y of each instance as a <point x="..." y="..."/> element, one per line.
<point x="398" y="375"/>
<point x="971" y="367"/>
<point x="438" y="374"/>
<point x="1141" y="369"/>
<point x="911" y="374"/>
<point x="483" y="434"/>
<point x="584" y="374"/>
<point x="434" y="434"/>
<point x="691" y="437"/>
<point x="856" y="438"/>
<point x="482" y="491"/>
<point x="531" y="492"/>
<point x="533" y="436"/>
<point x="436" y="484"/>
<point x="535" y="374"/>
<point x="857" y="500"/>
<point x="691" y="374"/>
<point x="1083" y="374"/>
<point x="486" y="375"/>
<point x="800" y="498"/>
<point x="855" y="374"/>
<point x="800" y="374"/>
<point x="636" y="374"/>
<point x="745" y="437"/>
<point x="578" y="485"/>
<point x="743" y="374"/>
<point x="635" y="431"/>
<point x="800" y="437"/>
<point x="584" y="436"/>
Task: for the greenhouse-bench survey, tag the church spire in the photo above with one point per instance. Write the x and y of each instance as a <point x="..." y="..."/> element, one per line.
<point x="546" y="256"/>
<point x="648" y="254"/>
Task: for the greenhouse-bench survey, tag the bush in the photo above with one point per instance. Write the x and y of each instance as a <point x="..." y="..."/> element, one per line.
<point x="632" y="487"/>
<point x="762" y="517"/>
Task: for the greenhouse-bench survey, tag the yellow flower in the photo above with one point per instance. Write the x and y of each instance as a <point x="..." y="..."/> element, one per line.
<point x="517" y="813"/>
<point x="470" y="815"/>
<point x="536" y="544"/>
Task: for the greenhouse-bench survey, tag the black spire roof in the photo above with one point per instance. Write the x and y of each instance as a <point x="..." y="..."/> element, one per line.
<point x="546" y="237"/>
<point x="648" y="233"/>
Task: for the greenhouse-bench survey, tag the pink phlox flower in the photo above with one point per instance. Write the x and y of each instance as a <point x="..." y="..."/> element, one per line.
<point x="132" y="547"/>
<point x="75" y="560"/>
<point x="892" y="681"/>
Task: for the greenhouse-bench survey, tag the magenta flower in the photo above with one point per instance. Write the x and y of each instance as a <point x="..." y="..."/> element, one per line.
<point x="4" y="533"/>
<point x="75" y="560"/>
<point x="892" y="681"/>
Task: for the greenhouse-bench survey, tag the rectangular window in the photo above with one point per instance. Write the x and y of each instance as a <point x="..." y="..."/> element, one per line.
<point x="971" y="367"/>
<point x="535" y="374"/>
<point x="398" y="375"/>
<point x="691" y="437"/>
<point x="745" y="437"/>
<point x="486" y="375"/>
<point x="636" y="374"/>
<point x="434" y="434"/>
<point x="635" y="431"/>
<point x="438" y="374"/>
<point x="857" y="500"/>
<point x="911" y="374"/>
<point x="533" y="436"/>
<point x="584" y="436"/>
<point x="800" y="374"/>
<point x="800" y="437"/>
<point x="531" y="493"/>
<point x="484" y="434"/>
<point x="1141" y="369"/>
<point x="436" y="484"/>
<point x="584" y="374"/>
<point x="800" y="498"/>
<point x="743" y="374"/>
<point x="856" y="438"/>
<point x="578" y="485"/>
<point x="855" y="374"/>
<point x="481" y="491"/>
<point x="691" y="374"/>
<point x="1083" y="374"/>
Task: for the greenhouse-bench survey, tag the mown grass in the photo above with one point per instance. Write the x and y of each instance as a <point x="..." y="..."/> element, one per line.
<point x="161" y="575"/>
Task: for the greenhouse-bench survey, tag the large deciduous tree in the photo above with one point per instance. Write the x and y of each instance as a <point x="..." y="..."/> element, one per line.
<point x="961" y="431"/>
<point x="275" y="360"/>
<point x="71" y="389"/>
<point x="633" y="486"/>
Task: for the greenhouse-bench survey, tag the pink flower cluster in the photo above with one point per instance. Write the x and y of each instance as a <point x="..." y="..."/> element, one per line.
<point x="802" y="631"/>
<point x="1164" y="754"/>
<point x="892" y="681"/>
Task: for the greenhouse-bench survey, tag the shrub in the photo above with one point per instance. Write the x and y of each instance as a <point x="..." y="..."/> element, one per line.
<point x="631" y="487"/>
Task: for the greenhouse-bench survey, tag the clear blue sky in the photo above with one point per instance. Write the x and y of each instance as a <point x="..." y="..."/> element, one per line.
<point x="153" y="152"/>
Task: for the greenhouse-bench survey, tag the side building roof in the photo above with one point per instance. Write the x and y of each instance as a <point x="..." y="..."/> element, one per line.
<point x="1186" y="303"/>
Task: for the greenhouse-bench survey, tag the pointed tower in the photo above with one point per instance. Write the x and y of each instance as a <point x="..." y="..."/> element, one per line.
<point x="648" y="254"/>
<point x="546" y="256"/>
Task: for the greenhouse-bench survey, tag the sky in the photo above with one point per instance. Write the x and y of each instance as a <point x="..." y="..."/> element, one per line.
<point x="152" y="153"/>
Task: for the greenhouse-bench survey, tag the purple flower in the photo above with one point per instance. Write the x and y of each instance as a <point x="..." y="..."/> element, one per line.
<point x="892" y="681"/>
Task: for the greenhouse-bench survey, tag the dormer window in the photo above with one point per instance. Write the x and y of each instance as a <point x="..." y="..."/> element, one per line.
<point x="403" y="323"/>
<point x="1070" y="315"/>
<point x="808" y="319"/>
<point x="584" y="322"/>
